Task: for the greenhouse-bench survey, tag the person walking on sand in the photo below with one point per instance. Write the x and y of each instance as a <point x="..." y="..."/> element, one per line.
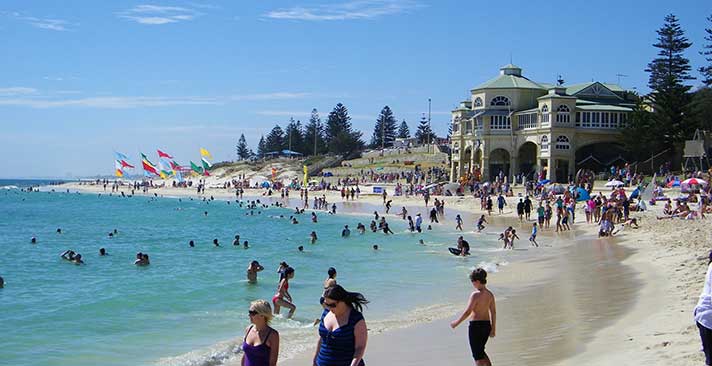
<point x="342" y="329"/>
<point x="282" y="298"/>
<point x="501" y="202"/>
<point x="260" y="347"/>
<point x="532" y="238"/>
<point x="482" y="312"/>
<point x="703" y="314"/>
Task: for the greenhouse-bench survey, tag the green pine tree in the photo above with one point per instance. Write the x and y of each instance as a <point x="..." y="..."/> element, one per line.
<point x="275" y="140"/>
<point x="670" y="96"/>
<point x="424" y="134"/>
<point x="294" y="136"/>
<point x="340" y="137"/>
<point x="403" y="130"/>
<point x="706" y="70"/>
<point x="243" y="152"/>
<point x="261" y="147"/>
<point x="314" y="135"/>
<point x="384" y="132"/>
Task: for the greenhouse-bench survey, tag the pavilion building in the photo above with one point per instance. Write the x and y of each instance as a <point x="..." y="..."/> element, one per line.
<point x="513" y="125"/>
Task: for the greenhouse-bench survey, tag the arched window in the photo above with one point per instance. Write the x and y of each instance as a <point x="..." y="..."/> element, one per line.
<point x="562" y="143"/>
<point x="544" y="143"/>
<point x="545" y="114"/>
<point x="499" y="101"/>
<point x="478" y="102"/>
<point x="563" y="114"/>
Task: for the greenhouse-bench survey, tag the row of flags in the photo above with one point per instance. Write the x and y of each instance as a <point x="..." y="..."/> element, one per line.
<point x="167" y="167"/>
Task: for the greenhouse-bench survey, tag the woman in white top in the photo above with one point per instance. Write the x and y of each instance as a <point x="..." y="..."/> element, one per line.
<point x="703" y="315"/>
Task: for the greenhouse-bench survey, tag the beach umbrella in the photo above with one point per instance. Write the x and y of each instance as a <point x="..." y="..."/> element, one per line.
<point x="265" y="184"/>
<point x="694" y="181"/>
<point x="614" y="183"/>
<point x="544" y="181"/>
<point x="583" y="195"/>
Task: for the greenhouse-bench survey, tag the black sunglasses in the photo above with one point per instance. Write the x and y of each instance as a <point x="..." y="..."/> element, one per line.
<point x="330" y="305"/>
<point x="252" y="313"/>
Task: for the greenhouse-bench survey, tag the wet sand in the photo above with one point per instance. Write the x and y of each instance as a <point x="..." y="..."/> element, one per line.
<point x="548" y="310"/>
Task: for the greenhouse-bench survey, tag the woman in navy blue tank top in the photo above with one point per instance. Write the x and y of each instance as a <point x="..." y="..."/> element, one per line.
<point x="342" y="329"/>
<point x="261" y="343"/>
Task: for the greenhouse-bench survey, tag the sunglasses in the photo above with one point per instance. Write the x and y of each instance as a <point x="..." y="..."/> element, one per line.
<point x="330" y="305"/>
<point x="252" y="313"/>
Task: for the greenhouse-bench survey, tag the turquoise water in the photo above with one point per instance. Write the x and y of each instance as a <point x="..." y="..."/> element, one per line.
<point x="189" y="307"/>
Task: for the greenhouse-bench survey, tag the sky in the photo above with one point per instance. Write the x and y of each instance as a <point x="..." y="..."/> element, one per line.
<point x="82" y="79"/>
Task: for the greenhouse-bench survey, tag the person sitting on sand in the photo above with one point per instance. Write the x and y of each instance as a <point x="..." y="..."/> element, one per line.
<point x="282" y="298"/>
<point x="346" y="232"/>
<point x="482" y="311"/>
<point x="260" y="346"/>
<point x="252" y="270"/>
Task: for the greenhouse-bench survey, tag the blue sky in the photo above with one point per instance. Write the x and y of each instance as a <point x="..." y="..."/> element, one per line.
<point x="80" y="79"/>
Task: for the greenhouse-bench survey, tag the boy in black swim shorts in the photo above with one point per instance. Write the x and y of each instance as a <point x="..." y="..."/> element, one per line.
<point x="482" y="312"/>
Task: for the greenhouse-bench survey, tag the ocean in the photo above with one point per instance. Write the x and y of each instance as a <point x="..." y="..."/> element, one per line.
<point x="189" y="307"/>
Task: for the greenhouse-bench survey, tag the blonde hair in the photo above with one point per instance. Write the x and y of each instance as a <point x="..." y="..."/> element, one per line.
<point x="263" y="308"/>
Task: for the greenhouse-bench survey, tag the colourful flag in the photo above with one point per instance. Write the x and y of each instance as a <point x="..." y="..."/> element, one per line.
<point x="175" y="166"/>
<point x="145" y="158"/>
<point x="119" y="173"/>
<point x="164" y="172"/>
<point x="117" y="165"/>
<point x="161" y="154"/>
<point x="206" y="164"/>
<point x="124" y="164"/>
<point x="120" y="156"/>
<point x="179" y="176"/>
<point x="206" y="153"/>
<point x="306" y="175"/>
<point x="196" y="168"/>
<point x="148" y="167"/>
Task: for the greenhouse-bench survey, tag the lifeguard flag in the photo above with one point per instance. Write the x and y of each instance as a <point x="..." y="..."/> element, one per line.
<point x="161" y="154"/>
<point x="205" y="153"/>
<point x="119" y="173"/>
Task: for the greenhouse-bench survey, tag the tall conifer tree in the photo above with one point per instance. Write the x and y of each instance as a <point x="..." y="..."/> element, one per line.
<point x="384" y="132"/>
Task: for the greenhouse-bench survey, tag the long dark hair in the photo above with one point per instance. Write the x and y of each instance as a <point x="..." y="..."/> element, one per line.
<point x="354" y="299"/>
<point x="331" y="272"/>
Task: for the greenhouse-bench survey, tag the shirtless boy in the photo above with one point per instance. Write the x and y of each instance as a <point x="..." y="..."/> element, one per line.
<point x="483" y="317"/>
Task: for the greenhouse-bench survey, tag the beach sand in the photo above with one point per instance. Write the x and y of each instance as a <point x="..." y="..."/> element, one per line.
<point x="579" y="300"/>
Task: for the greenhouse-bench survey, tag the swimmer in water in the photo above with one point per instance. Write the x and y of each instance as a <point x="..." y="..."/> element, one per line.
<point x="75" y="258"/>
<point x="191" y="243"/>
<point x="141" y="259"/>
<point x="313" y="237"/>
<point x="294" y="221"/>
<point x="2" y="282"/>
<point x="33" y="240"/>
<point x="346" y="232"/>
<point x="215" y="242"/>
<point x="245" y="244"/>
<point x="375" y="247"/>
<point x="252" y="270"/>
<point x="301" y="248"/>
<point x="236" y="242"/>
<point x="205" y="213"/>
<point x="59" y="230"/>
<point x="313" y="216"/>
<point x="111" y="235"/>
<point x="421" y="242"/>
<point x="102" y="252"/>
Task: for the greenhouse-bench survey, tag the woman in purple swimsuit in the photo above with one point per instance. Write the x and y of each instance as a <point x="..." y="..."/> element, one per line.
<point x="261" y="344"/>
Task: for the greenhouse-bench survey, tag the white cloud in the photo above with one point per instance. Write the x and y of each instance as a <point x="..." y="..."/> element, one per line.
<point x="358" y="9"/>
<point x="158" y="14"/>
<point x="42" y="23"/>
<point x="18" y="96"/>
<point x="16" y="90"/>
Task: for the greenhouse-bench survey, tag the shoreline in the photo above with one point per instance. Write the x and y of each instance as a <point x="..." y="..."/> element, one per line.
<point x="621" y="339"/>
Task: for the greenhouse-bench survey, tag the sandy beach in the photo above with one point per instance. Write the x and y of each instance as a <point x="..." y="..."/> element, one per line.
<point x="577" y="300"/>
